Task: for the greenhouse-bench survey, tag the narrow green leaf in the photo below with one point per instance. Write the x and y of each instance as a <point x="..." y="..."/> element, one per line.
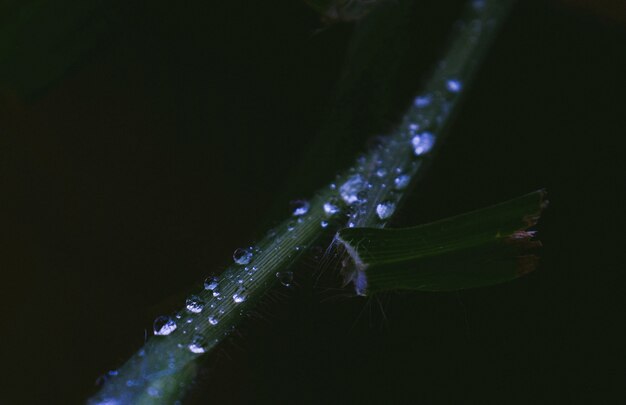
<point x="480" y="248"/>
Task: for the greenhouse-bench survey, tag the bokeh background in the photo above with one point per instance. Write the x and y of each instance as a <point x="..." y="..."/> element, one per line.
<point x="140" y="143"/>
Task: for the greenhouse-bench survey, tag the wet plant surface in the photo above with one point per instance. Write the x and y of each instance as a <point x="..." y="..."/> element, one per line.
<point x="134" y="177"/>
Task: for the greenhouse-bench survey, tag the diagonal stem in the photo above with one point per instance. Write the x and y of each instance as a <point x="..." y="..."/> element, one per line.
<point x="367" y="195"/>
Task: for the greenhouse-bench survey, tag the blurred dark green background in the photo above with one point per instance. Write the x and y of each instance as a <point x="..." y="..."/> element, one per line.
<point x="142" y="142"/>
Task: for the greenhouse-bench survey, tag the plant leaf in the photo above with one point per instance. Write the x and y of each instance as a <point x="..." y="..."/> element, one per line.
<point x="480" y="248"/>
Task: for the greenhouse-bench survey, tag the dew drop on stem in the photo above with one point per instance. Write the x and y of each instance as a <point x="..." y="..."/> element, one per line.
<point x="194" y="304"/>
<point x="197" y="344"/>
<point x="300" y="207"/>
<point x="350" y="190"/>
<point x="163" y="326"/>
<point x="423" y="101"/>
<point x="242" y="256"/>
<point x="240" y="295"/>
<point x="154" y="392"/>
<point x="385" y="209"/>
<point x="211" y="283"/>
<point x="331" y="208"/>
<point x="401" y="182"/>
<point x="423" y="143"/>
<point x="454" y="85"/>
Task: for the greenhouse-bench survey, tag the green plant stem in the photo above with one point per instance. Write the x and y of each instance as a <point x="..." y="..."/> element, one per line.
<point x="162" y="370"/>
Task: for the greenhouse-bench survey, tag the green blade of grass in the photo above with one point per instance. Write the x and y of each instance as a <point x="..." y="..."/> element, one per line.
<point x="480" y="248"/>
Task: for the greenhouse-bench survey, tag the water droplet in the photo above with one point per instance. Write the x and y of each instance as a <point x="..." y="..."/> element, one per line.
<point x="401" y="182"/>
<point x="382" y="172"/>
<point x="154" y="392"/>
<point x="350" y="189"/>
<point x="211" y="283"/>
<point x="454" y="85"/>
<point x="423" y="101"/>
<point x="194" y="304"/>
<point x="323" y="224"/>
<point x="423" y="143"/>
<point x="330" y="208"/>
<point x="300" y="207"/>
<point x="213" y="320"/>
<point x="285" y="277"/>
<point x="242" y="256"/>
<point x="163" y="326"/>
<point x="240" y="295"/>
<point x="197" y="344"/>
<point x="385" y="209"/>
<point x="291" y="226"/>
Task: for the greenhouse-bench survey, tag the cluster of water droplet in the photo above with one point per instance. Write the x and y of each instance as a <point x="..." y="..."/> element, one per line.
<point x="368" y="195"/>
<point x="212" y="311"/>
<point x="373" y="189"/>
<point x="370" y="191"/>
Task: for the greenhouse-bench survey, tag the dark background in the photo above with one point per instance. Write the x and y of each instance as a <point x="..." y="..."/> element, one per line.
<point x="179" y="134"/>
